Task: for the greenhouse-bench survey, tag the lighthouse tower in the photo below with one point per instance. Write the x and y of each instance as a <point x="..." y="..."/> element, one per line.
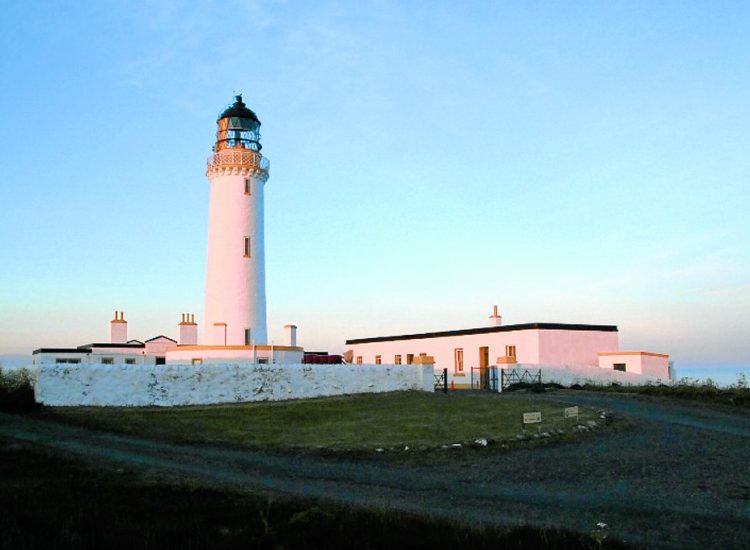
<point x="235" y="308"/>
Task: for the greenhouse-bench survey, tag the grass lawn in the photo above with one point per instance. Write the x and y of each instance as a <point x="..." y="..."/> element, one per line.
<point x="358" y="422"/>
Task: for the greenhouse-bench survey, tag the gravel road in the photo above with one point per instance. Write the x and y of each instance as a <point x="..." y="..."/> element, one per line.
<point x="667" y="474"/>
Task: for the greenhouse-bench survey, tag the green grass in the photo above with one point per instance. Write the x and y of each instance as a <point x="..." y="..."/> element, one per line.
<point x="358" y="422"/>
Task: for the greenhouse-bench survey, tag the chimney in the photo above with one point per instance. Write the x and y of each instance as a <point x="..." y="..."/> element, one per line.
<point x="290" y="335"/>
<point x="118" y="329"/>
<point x="188" y="330"/>
<point x="496" y="320"/>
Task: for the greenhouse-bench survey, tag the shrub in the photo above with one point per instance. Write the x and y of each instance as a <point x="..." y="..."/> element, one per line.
<point x="17" y="391"/>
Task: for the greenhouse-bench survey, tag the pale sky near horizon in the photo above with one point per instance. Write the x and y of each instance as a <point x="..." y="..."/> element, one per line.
<point x="582" y="162"/>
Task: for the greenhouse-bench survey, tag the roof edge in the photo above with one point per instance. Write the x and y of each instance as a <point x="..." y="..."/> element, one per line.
<point x="485" y="330"/>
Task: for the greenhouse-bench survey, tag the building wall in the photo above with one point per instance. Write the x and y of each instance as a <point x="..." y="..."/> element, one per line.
<point x="533" y="346"/>
<point x="95" y="356"/>
<point x="575" y="346"/>
<point x="442" y="349"/>
<point x="159" y="346"/>
<point x="246" y="354"/>
<point x="638" y="362"/>
<point x="172" y="385"/>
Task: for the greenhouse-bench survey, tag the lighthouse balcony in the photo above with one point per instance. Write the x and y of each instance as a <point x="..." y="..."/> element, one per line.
<point x="239" y="159"/>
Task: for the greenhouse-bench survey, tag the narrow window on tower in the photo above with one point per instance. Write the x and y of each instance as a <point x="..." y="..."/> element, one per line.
<point x="247" y="336"/>
<point x="247" y="186"/>
<point x="247" y="247"/>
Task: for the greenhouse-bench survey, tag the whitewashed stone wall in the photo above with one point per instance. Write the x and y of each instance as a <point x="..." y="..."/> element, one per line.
<point x="171" y="385"/>
<point x="584" y="374"/>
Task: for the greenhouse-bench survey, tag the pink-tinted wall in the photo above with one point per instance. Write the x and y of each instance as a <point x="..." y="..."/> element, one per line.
<point x="638" y="362"/>
<point x="577" y="347"/>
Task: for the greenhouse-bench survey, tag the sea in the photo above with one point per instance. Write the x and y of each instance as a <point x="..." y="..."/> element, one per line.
<point x="722" y="374"/>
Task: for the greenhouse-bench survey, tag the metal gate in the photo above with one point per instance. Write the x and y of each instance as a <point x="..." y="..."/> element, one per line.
<point x="441" y="381"/>
<point x="519" y="376"/>
<point x="484" y="379"/>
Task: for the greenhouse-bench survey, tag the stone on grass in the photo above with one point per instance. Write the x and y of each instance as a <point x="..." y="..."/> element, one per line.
<point x="482" y="442"/>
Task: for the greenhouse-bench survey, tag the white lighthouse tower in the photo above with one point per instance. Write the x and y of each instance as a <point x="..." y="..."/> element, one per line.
<point x="235" y="313"/>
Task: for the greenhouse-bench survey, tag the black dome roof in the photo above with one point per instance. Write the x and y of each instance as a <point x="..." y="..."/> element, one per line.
<point x="238" y="109"/>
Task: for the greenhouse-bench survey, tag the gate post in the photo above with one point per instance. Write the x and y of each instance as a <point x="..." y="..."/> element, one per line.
<point x="445" y="380"/>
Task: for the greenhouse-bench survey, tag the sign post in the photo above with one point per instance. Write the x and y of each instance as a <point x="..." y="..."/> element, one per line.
<point x="571" y="412"/>
<point x="532" y="418"/>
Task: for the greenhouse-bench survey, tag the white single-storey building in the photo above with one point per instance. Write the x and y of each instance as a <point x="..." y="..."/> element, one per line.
<point x="467" y="352"/>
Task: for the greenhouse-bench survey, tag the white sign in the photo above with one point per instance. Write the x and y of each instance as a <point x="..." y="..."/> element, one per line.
<point x="532" y="418"/>
<point x="571" y="412"/>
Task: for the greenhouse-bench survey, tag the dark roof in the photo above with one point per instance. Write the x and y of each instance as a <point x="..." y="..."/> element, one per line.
<point x="61" y="350"/>
<point x="110" y="345"/>
<point x="161" y="336"/>
<point x="134" y="341"/>
<point x="485" y="330"/>
<point x="238" y="109"/>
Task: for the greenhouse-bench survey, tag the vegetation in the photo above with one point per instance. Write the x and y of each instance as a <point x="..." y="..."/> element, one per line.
<point x="48" y="502"/>
<point x="17" y="391"/>
<point x="359" y="422"/>
<point x="737" y="395"/>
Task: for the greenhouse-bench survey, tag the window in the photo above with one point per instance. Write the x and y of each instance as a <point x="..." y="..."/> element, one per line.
<point x="247" y="250"/>
<point x="378" y="360"/>
<point x="397" y="360"/>
<point x="161" y="360"/>
<point x="359" y="359"/>
<point x="510" y="351"/>
<point x="108" y="360"/>
<point x="247" y="337"/>
<point x="247" y="186"/>
<point x="67" y="361"/>
<point x="130" y="361"/>
<point x="458" y="361"/>
<point x="197" y="361"/>
<point x="262" y="360"/>
<point x="619" y="366"/>
<point x="423" y="355"/>
<point x="409" y="358"/>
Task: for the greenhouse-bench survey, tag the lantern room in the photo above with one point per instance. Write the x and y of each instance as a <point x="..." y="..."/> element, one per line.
<point x="238" y="128"/>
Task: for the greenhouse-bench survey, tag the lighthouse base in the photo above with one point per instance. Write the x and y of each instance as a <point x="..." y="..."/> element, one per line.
<point x="204" y="355"/>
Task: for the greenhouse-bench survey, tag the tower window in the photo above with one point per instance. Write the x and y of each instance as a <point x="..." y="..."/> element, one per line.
<point x="247" y="337"/>
<point x="247" y="186"/>
<point x="247" y="247"/>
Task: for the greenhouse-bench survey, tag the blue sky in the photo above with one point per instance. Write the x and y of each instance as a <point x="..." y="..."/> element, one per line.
<point x="571" y="162"/>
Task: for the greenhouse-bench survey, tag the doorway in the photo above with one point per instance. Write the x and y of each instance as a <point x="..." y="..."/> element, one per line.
<point x="484" y="362"/>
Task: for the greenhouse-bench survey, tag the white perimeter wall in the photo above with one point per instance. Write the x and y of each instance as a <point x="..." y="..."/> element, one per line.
<point x="170" y="385"/>
<point x="582" y="374"/>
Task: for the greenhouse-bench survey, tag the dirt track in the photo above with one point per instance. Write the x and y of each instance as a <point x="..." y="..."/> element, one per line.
<point x="671" y="475"/>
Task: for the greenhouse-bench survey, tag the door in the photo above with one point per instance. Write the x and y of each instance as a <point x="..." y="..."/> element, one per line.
<point x="484" y="362"/>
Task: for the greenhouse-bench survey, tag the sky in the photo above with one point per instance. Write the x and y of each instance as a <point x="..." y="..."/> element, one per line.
<point x="581" y="162"/>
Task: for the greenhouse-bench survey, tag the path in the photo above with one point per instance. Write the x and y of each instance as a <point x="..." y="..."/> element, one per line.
<point x="677" y="477"/>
